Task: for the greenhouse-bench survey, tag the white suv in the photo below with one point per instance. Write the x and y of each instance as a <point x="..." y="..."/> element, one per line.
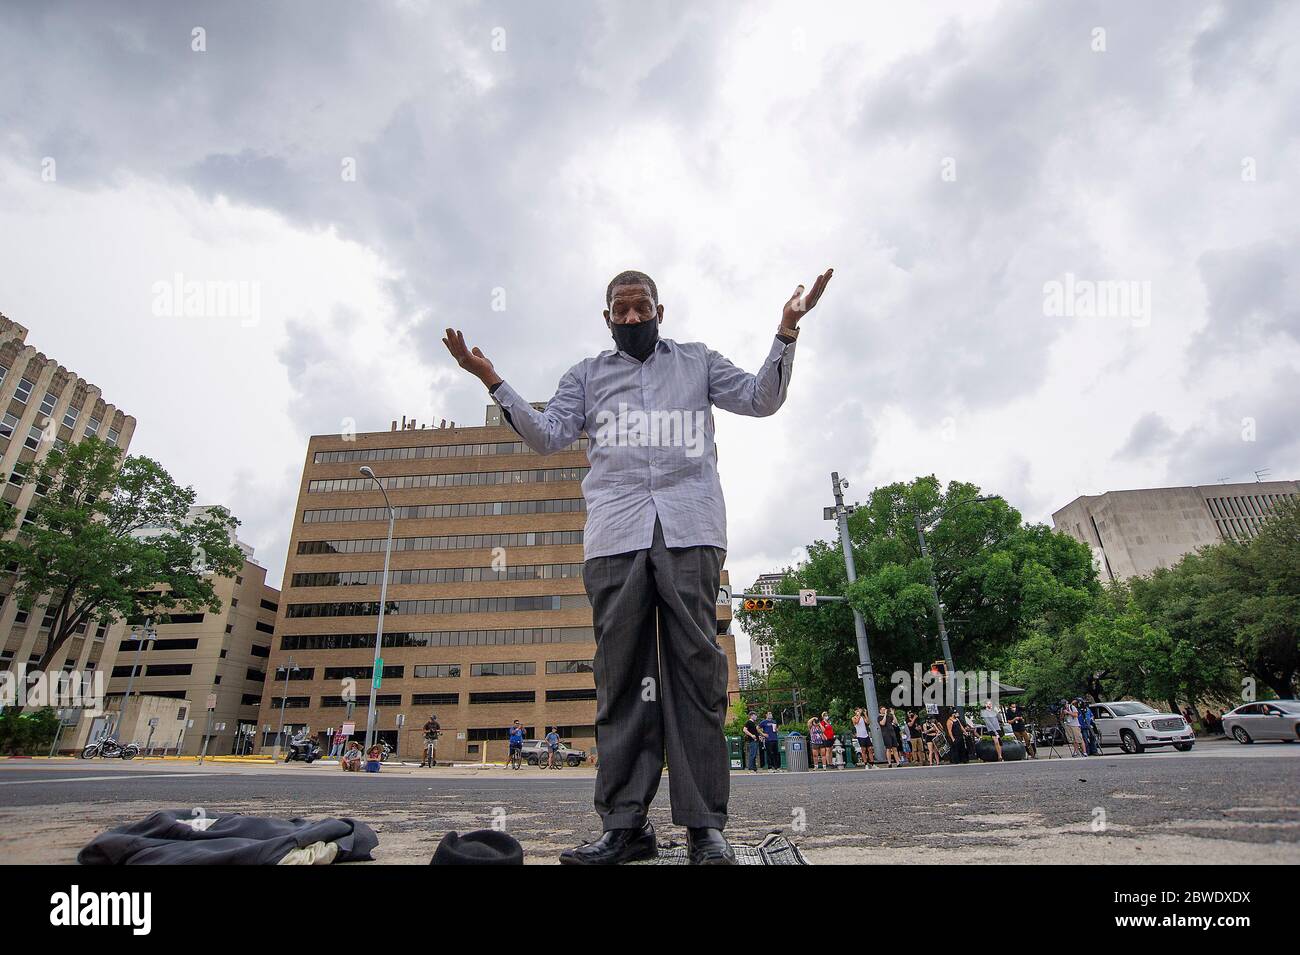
<point x="1134" y="726"/>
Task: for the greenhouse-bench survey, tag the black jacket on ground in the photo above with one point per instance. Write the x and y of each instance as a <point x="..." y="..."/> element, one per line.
<point x="167" y="838"/>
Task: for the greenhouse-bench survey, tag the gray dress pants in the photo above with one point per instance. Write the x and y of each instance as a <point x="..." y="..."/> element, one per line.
<point x="661" y="684"/>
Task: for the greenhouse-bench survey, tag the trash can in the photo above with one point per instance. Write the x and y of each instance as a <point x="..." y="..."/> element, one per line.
<point x="796" y="753"/>
<point x="736" y="751"/>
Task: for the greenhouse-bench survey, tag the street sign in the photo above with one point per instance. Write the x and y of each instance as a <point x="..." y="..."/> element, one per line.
<point x="807" y="598"/>
<point x="864" y="670"/>
<point x="212" y="701"/>
<point x="401" y="720"/>
<point x="724" y="594"/>
<point x="348" y="729"/>
<point x="153" y="721"/>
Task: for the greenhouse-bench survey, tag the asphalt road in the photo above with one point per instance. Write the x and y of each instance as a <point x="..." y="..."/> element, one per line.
<point x="1220" y="803"/>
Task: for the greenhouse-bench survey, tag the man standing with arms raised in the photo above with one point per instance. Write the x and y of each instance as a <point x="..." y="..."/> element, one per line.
<point x="654" y="544"/>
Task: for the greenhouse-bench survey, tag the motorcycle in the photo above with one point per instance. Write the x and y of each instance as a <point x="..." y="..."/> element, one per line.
<point x="109" y="748"/>
<point x="306" y="750"/>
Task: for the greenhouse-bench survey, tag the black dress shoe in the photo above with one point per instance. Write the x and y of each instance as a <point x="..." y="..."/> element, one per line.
<point x="709" y="847"/>
<point x="615" y="847"/>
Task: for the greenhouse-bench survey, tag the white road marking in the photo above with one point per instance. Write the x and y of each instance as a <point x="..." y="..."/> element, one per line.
<point x="95" y="779"/>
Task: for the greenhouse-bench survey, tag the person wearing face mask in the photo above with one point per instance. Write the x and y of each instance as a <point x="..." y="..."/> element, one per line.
<point x="654" y="544"/>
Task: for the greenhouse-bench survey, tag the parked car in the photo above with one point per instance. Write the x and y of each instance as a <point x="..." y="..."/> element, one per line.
<point x="534" y="751"/>
<point x="1270" y="719"/>
<point x="1134" y="727"/>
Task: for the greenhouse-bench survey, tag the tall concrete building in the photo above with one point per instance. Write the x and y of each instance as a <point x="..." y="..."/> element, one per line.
<point x="1132" y="533"/>
<point x="486" y="620"/>
<point x="200" y="655"/>
<point x="44" y="405"/>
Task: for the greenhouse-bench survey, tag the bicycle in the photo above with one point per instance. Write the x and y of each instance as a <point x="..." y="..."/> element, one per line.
<point x="516" y="759"/>
<point x="430" y="754"/>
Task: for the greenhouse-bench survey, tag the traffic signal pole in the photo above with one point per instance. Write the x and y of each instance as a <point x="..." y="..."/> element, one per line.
<point x="865" y="670"/>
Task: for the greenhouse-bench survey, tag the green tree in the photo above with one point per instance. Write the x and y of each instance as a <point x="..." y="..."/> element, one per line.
<point x="107" y="538"/>
<point x="997" y="578"/>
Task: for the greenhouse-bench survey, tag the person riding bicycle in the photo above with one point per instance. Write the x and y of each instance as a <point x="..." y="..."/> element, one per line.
<point x="432" y="730"/>
<point x="553" y="746"/>
<point x="516" y="741"/>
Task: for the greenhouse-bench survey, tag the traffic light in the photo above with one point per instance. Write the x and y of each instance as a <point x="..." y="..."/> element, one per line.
<point x="939" y="668"/>
<point x="760" y="603"/>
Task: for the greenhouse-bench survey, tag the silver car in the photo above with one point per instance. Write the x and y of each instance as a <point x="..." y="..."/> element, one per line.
<point x="1270" y="719"/>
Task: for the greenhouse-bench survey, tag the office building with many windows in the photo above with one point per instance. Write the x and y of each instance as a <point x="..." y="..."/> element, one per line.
<point x="44" y="405"/>
<point x="1132" y="533"/>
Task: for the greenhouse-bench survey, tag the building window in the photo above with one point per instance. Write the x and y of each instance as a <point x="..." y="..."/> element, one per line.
<point x="370" y="608"/>
<point x="268" y="605"/>
<point x="168" y="669"/>
<point x="291" y="703"/>
<point x="265" y="627"/>
<point x="504" y="696"/>
<point x="24" y="390"/>
<point x="112" y="436"/>
<point x="438" y="638"/>
<point x="520" y="668"/>
<point x="484" y="734"/>
<point x="554" y="667"/>
<point x="70" y="418"/>
<point x="92" y="427"/>
<point x="48" y="403"/>
<point x="375" y="545"/>
<point x="33" y="439"/>
<point x="436" y="670"/>
<point x="8" y="425"/>
<point x="435" y="699"/>
<point x="569" y="696"/>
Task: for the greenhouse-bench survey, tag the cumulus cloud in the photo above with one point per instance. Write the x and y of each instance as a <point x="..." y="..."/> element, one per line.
<point x="948" y="161"/>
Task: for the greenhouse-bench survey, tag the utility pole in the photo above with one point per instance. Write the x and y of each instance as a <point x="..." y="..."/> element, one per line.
<point x="865" y="671"/>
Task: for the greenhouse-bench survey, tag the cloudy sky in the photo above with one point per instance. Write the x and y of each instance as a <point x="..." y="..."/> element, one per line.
<point x="972" y="171"/>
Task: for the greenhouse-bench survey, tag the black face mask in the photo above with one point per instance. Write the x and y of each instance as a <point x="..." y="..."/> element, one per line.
<point x="637" y="340"/>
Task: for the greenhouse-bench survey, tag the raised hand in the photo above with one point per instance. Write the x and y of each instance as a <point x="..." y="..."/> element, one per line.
<point x="801" y="303"/>
<point x="471" y="359"/>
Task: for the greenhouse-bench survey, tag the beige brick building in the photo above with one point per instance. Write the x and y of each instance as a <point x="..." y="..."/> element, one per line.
<point x="1131" y="533"/>
<point x="196" y="655"/>
<point x="44" y="403"/>
<point x="487" y="618"/>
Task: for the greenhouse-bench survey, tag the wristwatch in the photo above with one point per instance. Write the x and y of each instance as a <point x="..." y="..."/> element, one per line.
<point x="786" y="332"/>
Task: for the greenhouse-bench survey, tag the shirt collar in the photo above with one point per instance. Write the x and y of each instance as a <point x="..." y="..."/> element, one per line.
<point x="663" y="344"/>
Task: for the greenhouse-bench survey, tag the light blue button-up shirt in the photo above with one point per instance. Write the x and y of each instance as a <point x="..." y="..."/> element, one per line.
<point x="650" y="426"/>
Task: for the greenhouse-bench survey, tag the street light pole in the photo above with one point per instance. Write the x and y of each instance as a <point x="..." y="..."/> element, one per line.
<point x="148" y="633"/>
<point x="865" y="670"/>
<point x="934" y="582"/>
<point x="376" y="671"/>
<point x="288" y="669"/>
